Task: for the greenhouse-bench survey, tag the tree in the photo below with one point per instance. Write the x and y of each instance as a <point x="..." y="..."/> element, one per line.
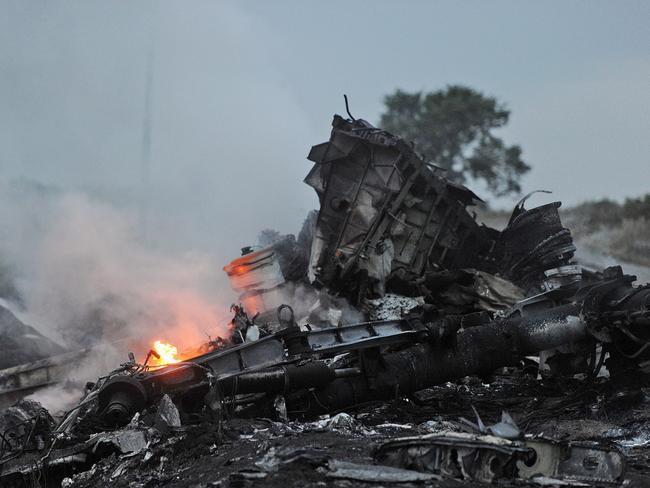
<point x="454" y="129"/>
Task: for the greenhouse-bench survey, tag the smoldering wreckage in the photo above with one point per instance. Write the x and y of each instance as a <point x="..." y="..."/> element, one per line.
<point x="408" y="330"/>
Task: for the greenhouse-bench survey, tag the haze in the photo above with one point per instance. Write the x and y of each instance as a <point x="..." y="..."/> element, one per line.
<point x="241" y="90"/>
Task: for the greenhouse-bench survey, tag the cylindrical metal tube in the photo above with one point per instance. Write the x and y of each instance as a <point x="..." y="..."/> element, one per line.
<point x="476" y="350"/>
<point x="283" y="379"/>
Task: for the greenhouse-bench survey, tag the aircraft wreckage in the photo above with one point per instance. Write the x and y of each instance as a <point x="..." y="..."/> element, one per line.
<point x="391" y="229"/>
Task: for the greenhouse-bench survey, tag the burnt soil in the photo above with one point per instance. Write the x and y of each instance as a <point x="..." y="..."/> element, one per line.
<point x="233" y="454"/>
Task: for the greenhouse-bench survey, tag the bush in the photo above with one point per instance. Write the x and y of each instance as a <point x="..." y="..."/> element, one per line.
<point x="637" y="208"/>
<point x="620" y="230"/>
<point x="630" y="241"/>
<point x="588" y="217"/>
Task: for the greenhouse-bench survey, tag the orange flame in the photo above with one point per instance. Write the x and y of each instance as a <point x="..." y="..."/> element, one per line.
<point x="167" y="354"/>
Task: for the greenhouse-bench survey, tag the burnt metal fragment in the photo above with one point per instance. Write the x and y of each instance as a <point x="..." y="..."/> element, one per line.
<point x="387" y="218"/>
<point x="537" y="249"/>
<point x="25" y="426"/>
<point x="383" y="209"/>
<point x="486" y="458"/>
<point x="394" y="357"/>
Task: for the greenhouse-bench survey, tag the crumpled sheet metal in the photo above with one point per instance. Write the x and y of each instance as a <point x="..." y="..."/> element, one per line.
<point x="495" y="293"/>
<point x="276" y="458"/>
<point x="573" y="461"/>
<point x="23" y="426"/>
<point x="126" y="441"/>
<point x="534" y="242"/>
<point x="384" y="212"/>
<point x="488" y="458"/>
<point x="280" y="458"/>
<point x="454" y="455"/>
<point x="383" y="208"/>
<point x="341" y="422"/>
<point x="372" y="473"/>
<point x="478" y="290"/>
<point x="168" y="412"/>
<point x="392" y="306"/>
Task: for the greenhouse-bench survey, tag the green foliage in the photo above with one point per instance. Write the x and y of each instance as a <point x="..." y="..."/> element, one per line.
<point x="620" y="230"/>
<point x="637" y="208"/>
<point x="630" y="241"/>
<point x="454" y="129"/>
<point x="590" y="216"/>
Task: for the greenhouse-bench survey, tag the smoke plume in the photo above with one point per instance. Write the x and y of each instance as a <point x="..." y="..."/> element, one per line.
<point x="87" y="276"/>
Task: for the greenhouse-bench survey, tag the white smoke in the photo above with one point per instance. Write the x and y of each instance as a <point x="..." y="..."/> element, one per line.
<point x="107" y="249"/>
<point x="89" y="278"/>
<point x="318" y="308"/>
<point x="99" y="361"/>
<point x="87" y="275"/>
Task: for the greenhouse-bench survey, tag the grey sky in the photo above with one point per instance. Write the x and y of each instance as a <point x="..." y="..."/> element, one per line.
<point x="241" y="90"/>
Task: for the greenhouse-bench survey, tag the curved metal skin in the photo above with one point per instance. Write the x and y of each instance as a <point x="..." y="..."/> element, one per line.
<point x="120" y="398"/>
<point x="124" y="395"/>
<point x="284" y="379"/>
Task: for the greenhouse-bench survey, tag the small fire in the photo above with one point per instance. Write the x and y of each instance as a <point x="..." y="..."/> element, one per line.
<point x="167" y="354"/>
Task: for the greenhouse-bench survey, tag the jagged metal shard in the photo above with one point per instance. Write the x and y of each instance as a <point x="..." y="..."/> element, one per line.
<point x="383" y="209"/>
<point x="385" y="212"/>
<point x="489" y="459"/>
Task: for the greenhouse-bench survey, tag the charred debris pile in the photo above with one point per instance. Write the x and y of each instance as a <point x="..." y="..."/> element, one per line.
<point x="360" y="348"/>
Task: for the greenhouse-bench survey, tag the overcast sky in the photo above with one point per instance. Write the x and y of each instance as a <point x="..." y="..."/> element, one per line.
<point x="241" y="90"/>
